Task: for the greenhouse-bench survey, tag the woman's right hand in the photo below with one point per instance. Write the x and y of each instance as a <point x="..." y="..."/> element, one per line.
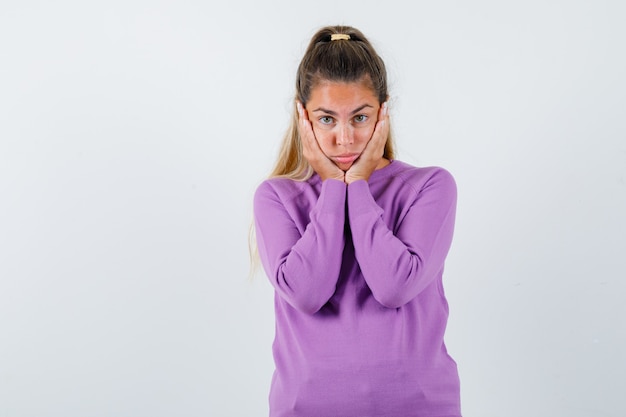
<point x="311" y="150"/>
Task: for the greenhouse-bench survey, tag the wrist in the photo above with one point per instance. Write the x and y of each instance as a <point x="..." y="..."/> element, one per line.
<point x="331" y="171"/>
<point x="336" y="177"/>
<point x="352" y="177"/>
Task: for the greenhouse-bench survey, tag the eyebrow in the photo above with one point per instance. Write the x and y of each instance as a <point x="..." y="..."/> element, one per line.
<point x="333" y="113"/>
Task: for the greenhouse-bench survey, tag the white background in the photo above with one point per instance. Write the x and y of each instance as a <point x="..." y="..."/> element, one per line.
<point x="133" y="135"/>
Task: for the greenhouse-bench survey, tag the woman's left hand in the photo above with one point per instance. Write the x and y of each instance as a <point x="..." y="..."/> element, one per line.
<point x="373" y="153"/>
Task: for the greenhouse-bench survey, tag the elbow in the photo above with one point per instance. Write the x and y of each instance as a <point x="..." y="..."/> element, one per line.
<point x="396" y="293"/>
<point x="307" y="300"/>
<point x="402" y="293"/>
<point x="394" y="289"/>
<point x="304" y="289"/>
<point x="392" y="299"/>
<point x="308" y="307"/>
<point x="307" y="303"/>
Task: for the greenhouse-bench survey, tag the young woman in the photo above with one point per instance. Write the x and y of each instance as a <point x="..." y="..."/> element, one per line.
<point x="354" y="243"/>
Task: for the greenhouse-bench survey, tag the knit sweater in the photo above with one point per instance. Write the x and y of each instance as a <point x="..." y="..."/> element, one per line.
<point x="359" y="301"/>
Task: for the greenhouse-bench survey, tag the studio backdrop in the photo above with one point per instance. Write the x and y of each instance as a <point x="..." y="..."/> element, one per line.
<point x="134" y="133"/>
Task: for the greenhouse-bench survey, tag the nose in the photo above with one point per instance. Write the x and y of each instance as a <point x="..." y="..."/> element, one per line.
<point x="345" y="136"/>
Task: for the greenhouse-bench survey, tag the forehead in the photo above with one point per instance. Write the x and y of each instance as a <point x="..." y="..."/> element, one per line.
<point x="337" y="94"/>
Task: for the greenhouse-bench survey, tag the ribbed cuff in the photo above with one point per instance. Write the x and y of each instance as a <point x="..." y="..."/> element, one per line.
<point x="332" y="197"/>
<point x="361" y="200"/>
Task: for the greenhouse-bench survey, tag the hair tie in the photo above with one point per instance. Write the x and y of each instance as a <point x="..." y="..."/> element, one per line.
<point x="339" y="37"/>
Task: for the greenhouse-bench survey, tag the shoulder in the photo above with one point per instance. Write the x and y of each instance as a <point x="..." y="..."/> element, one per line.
<point x="283" y="189"/>
<point x="421" y="178"/>
<point x="405" y="170"/>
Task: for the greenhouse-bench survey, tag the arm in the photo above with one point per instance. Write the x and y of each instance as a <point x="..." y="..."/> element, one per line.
<point x="303" y="266"/>
<point x="397" y="267"/>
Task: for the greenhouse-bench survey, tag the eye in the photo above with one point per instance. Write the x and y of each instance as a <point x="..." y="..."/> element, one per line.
<point x="326" y="120"/>
<point x="360" y="118"/>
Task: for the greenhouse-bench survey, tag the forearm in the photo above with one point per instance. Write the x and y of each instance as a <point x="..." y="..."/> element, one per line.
<point x="302" y="265"/>
<point x="398" y="265"/>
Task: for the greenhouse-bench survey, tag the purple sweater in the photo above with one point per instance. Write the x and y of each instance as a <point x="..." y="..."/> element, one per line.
<point x="360" y="307"/>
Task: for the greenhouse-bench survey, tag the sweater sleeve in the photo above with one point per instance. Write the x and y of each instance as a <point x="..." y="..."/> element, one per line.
<point x="303" y="266"/>
<point x="397" y="265"/>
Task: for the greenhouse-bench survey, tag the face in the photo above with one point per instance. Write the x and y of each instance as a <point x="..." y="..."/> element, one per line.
<point x="343" y="116"/>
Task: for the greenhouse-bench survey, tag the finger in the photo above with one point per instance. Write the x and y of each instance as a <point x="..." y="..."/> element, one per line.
<point x="384" y="121"/>
<point x="300" y="108"/>
<point x="304" y="125"/>
<point x="384" y="109"/>
<point x="383" y="114"/>
<point x="381" y="130"/>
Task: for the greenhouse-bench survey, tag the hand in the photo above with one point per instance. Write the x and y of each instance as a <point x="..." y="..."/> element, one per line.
<point x="311" y="150"/>
<point x="372" y="155"/>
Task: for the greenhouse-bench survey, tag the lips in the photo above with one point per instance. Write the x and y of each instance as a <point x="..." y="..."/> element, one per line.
<point x="347" y="158"/>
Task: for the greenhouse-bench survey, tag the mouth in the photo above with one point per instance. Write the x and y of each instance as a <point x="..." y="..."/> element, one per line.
<point x="347" y="158"/>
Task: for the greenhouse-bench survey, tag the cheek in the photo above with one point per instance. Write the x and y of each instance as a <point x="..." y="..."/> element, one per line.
<point x="324" y="139"/>
<point x="362" y="136"/>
